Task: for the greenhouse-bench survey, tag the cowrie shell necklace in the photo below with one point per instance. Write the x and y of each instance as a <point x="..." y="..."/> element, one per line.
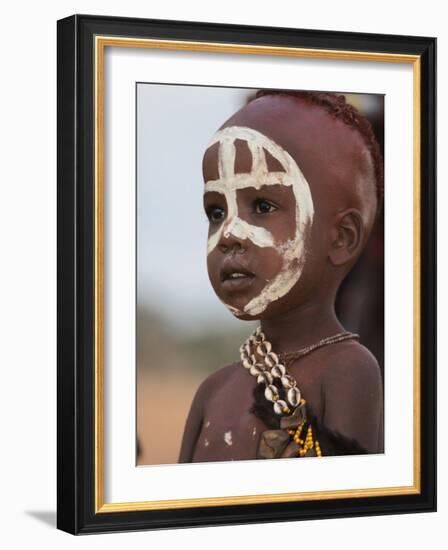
<point x="264" y="364"/>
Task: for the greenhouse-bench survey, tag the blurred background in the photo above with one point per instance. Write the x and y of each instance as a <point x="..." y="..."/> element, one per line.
<point x="183" y="331"/>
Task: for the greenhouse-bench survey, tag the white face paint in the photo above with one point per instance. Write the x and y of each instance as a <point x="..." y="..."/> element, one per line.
<point x="292" y="250"/>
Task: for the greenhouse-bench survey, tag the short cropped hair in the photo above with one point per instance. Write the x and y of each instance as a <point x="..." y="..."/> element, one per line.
<point x="337" y="106"/>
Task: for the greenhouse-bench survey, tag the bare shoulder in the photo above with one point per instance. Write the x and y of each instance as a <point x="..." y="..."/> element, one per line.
<point x="216" y="380"/>
<point x="352" y="363"/>
<point x="352" y="392"/>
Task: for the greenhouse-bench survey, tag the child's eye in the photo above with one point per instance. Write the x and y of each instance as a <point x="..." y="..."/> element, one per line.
<point x="215" y="214"/>
<point x="263" y="206"/>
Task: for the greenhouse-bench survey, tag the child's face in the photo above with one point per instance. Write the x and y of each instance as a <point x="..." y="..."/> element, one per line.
<point x="277" y="177"/>
<point x="260" y="210"/>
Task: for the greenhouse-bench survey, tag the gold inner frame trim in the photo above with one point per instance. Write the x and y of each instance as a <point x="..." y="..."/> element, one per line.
<point x="101" y="42"/>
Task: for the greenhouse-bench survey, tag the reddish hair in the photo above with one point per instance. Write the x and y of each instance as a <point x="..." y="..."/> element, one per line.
<point x="337" y="106"/>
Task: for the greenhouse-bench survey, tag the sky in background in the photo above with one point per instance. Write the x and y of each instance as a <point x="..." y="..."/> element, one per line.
<point x="174" y="125"/>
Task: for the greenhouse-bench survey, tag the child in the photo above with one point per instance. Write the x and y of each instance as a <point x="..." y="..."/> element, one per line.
<point x="293" y="184"/>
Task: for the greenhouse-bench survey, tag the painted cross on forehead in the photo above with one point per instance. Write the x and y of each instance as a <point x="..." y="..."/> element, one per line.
<point x="292" y="250"/>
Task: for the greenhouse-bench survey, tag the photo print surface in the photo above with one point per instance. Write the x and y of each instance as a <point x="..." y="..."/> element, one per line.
<point x="260" y="269"/>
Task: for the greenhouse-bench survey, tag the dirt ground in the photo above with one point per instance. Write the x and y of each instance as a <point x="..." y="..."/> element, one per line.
<point x="162" y="408"/>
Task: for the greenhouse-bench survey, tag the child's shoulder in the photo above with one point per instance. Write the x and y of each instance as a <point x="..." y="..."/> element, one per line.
<point x="350" y="361"/>
<point x="208" y="387"/>
<point x="352" y="392"/>
<point x="217" y="378"/>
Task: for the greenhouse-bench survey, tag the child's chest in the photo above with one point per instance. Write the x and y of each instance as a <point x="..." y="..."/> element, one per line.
<point x="229" y="430"/>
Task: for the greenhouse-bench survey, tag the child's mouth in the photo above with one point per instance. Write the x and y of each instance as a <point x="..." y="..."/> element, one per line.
<point x="236" y="277"/>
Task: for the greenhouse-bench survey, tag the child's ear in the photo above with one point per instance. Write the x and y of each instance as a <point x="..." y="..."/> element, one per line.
<point x="347" y="237"/>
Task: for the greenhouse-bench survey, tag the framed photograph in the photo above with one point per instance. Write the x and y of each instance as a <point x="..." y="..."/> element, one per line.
<point x="246" y="274"/>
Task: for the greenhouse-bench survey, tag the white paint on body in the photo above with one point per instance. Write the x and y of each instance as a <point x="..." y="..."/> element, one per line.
<point x="254" y="432"/>
<point x="207" y="424"/>
<point x="292" y="250"/>
<point x="228" y="438"/>
<point x="206" y="442"/>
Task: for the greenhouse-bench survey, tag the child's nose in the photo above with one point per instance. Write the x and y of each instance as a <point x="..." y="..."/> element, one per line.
<point x="230" y="225"/>
<point x="232" y="235"/>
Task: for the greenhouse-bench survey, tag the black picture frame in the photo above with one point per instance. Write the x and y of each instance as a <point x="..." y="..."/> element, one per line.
<point x="77" y="474"/>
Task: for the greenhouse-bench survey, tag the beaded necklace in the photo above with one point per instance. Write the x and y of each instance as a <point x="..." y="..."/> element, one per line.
<point x="264" y="364"/>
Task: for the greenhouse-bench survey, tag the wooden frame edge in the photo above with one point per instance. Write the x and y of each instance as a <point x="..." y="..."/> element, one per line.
<point x="100" y="43"/>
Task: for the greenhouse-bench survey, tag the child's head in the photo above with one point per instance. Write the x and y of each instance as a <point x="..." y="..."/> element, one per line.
<point x="293" y="182"/>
